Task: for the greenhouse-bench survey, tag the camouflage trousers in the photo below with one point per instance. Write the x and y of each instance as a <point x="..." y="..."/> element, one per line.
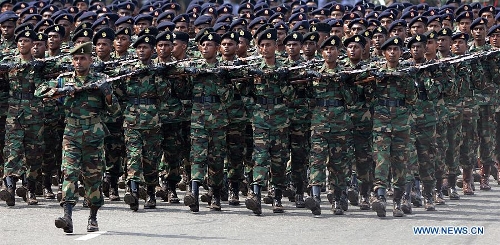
<point x="2" y="142"/>
<point x="114" y="146"/>
<point x="486" y="128"/>
<point x="270" y="155"/>
<point x="186" y="148"/>
<point x="143" y="155"/>
<point x="208" y="146"/>
<point x="362" y="144"/>
<point x="83" y="154"/>
<point x="300" y="146"/>
<point x="390" y="152"/>
<point x="330" y="151"/>
<point x="442" y="145"/>
<point x="52" y="156"/>
<point x="235" y="150"/>
<point x="425" y="145"/>
<point x="171" y="145"/>
<point x="247" y="159"/>
<point x="470" y="138"/>
<point x="412" y="165"/>
<point x="23" y="149"/>
<point x="454" y="138"/>
<point x="497" y="136"/>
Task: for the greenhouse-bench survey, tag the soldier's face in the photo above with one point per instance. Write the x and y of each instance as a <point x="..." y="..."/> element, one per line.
<point x="24" y="45"/>
<point x="495" y="40"/>
<point x="68" y="26"/>
<point x="459" y="46"/>
<point x="392" y="54"/>
<point x="354" y="51"/>
<point x="38" y="49"/>
<point x="54" y="41"/>
<point x="443" y="43"/>
<point x="293" y="48"/>
<point x="489" y="16"/>
<point x="337" y="31"/>
<point x="82" y="6"/>
<point x="479" y="32"/>
<point x="6" y="7"/>
<point x="434" y="26"/>
<point x="281" y="36"/>
<point x="386" y="22"/>
<point x="378" y="40"/>
<point x="399" y="31"/>
<point x="309" y="48"/>
<point x="417" y="50"/>
<point x="337" y="15"/>
<point x="182" y="26"/>
<point x="357" y="28"/>
<point x="179" y="48"/>
<point x="330" y="54"/>
<point x="124" y="12"/>
<point x="267" y="48"/>
<point x="242" y="47"/>
<point x="464" y="25"/>
<point x="46" y="15"/>
<point x="81" y="63"/>
<point x="431" y="47"/>
<point x="141" y="25"/>
<point x="121" y="43"/>
<point x="164" y="49"/>
<point x="208" y="49"/>
<point x="144" y="52"/>
<point x="103" y="47"/>
<point x="81" y="40"/>
<point x="228" y="47"/>
<point x="417" y="28"/>
<point x="8" y="28"/>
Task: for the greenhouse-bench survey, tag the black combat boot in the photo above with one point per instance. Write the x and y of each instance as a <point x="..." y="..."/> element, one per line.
<point x="132" y="196"/>
<point x="313" y="202"/>
<point x="337" y="208"/>
<point x="398" y="195"/>
<point x="253" y="200"/>
<point x="92" y="222"/>
<point x="406" y="202"/>
<point x="299" y="196"/>
<point x="439" y="200"/>
<point x="207" y="196"/>
<point x="353" y="191"/>
<point x="224" y="192"/>
<point x="216" y="198"/>
<point x="379" y="203"/>
<point x="31" y="195"/>
<point x="23" y="189"/>
<point x="452" y="182"/>
<point x="66" y="222"/>
<point x="484" y="182"/>
<point x="47" y="187"/>
<point x="268" y="199"/>
<point x="365" y="196"/>
<point x="172" y="192"/>
<point x="7" y="192"/>
<point x="162" y="192"/>
<point x="191" y="198"/>
<point x="234" y="197"/>
<point x="277" y="206"/>
<point x="429" y="197"/>
<point x="113" y="189"/>
<point x="343" y="200"/>
<point x="106" y="185"/>
<point x="417" y="198"/>
<point x="151" y="200"/>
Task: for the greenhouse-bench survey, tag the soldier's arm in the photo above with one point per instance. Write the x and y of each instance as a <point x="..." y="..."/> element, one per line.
<point x="47" y="89"/>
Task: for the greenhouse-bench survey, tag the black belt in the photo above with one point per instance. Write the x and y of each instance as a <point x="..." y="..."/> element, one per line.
<point x="142" y="101"/>
<point x="392" y="103"/>
<point x="301" y="94"/>
<point x="327" y="103"/>
<point x="23" y="96"/>
<point x="237" y="97"/>
<point x="269" y="101"/>
<point x="207" y="99"/>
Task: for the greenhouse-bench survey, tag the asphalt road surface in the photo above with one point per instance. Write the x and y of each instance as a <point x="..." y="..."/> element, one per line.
<point x="470" y="220"/>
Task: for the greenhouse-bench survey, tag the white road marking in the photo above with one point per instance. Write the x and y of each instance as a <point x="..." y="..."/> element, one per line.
<point x="90" y="236"/>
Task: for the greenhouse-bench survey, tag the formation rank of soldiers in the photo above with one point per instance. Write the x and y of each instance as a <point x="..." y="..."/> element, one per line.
<point x="362" y="100"/>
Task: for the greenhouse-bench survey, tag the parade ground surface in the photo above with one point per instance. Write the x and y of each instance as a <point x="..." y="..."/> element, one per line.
<point x="470" y="220"/>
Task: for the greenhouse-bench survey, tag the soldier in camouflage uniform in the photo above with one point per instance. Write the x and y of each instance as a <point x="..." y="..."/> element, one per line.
<point x="331" y="137"/>
<point x="494" y="38"/>
<point x="84" y="133"/>
<point x="145" y="91"/>
<point x="24" y="124"/>
<point x="394" y="93"/>
<point x="485" y="98"/>
<point x="211" y="94"/>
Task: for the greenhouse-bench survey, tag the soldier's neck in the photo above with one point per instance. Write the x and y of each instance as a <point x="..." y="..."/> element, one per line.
<point x="419" y="60"/>
<point x="82" y="74"/>
<point x="146" y="62"/>
<point x="479" y="42"/>
<point x="270" y="61"/>
<point x="294" y="58"/>
<point x="331" y="65"/>
<point x="165" y="59"/>
<point x="280" y="48"/>
<point x="309" y="57"/>
<point x="392" y="65"/>
<point x="26" y="57"/>
<point x="432" y="56"/>
<point x="105" y="58"/>
<point x="54" y="52"/>
<point x="229" y="57"/>
<point x="445" y="54"/>
<point x="181" y="57"/>
<point x="354" y="61"/>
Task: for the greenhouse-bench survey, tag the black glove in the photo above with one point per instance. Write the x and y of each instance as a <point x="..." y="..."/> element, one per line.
<point x="66" y="90"/>
<point x="99" y="66"/>
<point x="191" y="70"/>
<point x="161" y="69"/>
<point x="255" y="72"/>
<point x="105" y="88"/>
<point x="38" y="65"/>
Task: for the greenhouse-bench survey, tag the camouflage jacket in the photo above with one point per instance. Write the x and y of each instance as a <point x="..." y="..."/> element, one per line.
<point x="236" y="109"/>
<point x="392" y="89"/>
<point x="326" y="117"/>
<point x="299" y="106"/>
<point x="487" y="89"/>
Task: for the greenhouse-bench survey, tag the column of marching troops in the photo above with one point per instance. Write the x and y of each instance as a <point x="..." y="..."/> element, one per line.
<point x="363" y="100"/>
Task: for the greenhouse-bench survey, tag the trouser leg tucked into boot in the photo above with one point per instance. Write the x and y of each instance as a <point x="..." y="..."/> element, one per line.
<point x="47" y="187"/>
<point x="132" y="195"/>
<point x="30" y="195"/>
<point x="151" y="200"/>
<point x="215" y="205"/>
<point x="484" y="183"/>
<point x="406" y="200"/>
<point x="234" y="197"/>
<point x="429" y="197"/>
<point x="379" y="203"/>
<point x="396" y="211"/>
<point x="66" y="222"/>
<point x="172" y="192"/>
<point x="277" y="205"/>
<point x="191" y="198"/>
<point x="452" y="182"/>
<point x="439" y="193"/>
<point x="467" y="182"/>
<point x="92" y="222"/>
<point x="299" y="196"/>
<point x="253" y="200"/>
<point x="365" y="196"/>
<point x="7" y="192"/>
<point x="313" y="202"/>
